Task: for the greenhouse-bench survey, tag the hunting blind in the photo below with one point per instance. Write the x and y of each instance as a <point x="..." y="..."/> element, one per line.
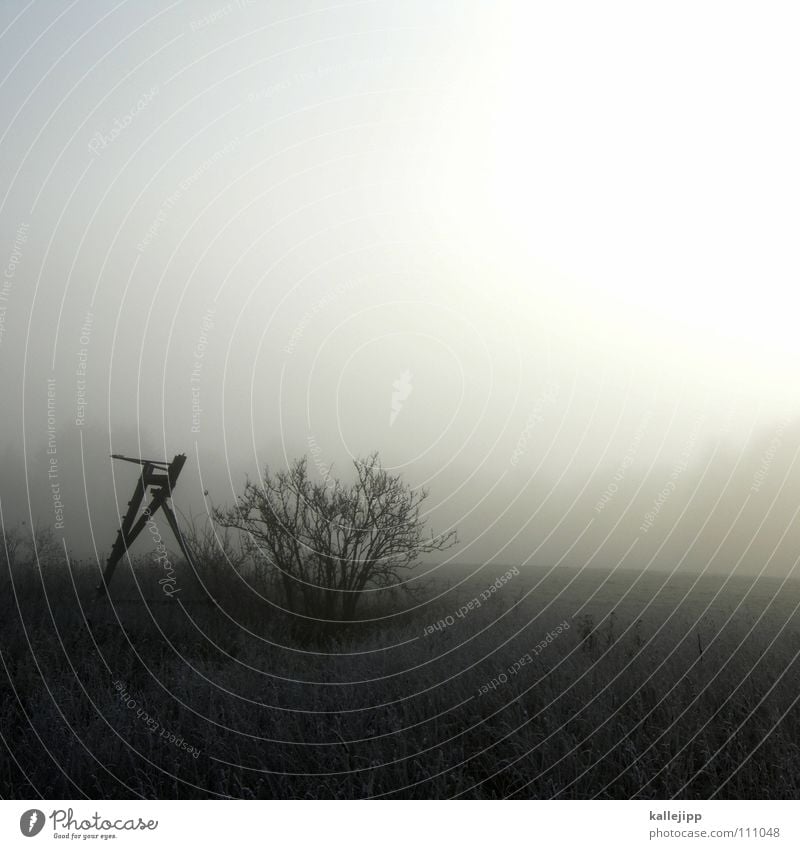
<point x="160" y="477"/>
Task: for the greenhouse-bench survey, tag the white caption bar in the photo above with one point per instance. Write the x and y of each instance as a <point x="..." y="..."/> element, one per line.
<point x="388" y="824"/>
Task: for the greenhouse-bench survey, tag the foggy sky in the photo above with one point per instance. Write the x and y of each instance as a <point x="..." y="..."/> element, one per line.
<point x="235" y="229"/>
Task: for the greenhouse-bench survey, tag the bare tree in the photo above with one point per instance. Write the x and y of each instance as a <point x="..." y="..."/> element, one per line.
<point x="331" y="541"/>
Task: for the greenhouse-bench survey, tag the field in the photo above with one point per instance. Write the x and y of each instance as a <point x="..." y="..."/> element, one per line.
<point x="557" y="684"/>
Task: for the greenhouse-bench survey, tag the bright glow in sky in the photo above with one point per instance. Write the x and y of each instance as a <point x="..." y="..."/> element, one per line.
<point x="498" y="197"/>
<point x="647" y="154"/>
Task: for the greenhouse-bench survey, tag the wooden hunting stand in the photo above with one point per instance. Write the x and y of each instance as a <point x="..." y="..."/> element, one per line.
<point x="162" y="477"/>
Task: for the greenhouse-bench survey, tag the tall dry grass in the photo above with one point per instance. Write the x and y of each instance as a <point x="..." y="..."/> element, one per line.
<point x="231" y="698"/>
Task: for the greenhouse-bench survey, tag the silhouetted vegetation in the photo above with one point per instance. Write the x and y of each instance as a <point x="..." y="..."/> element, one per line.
<point x="330" y="541"/>
<point x="211" y="694"/>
